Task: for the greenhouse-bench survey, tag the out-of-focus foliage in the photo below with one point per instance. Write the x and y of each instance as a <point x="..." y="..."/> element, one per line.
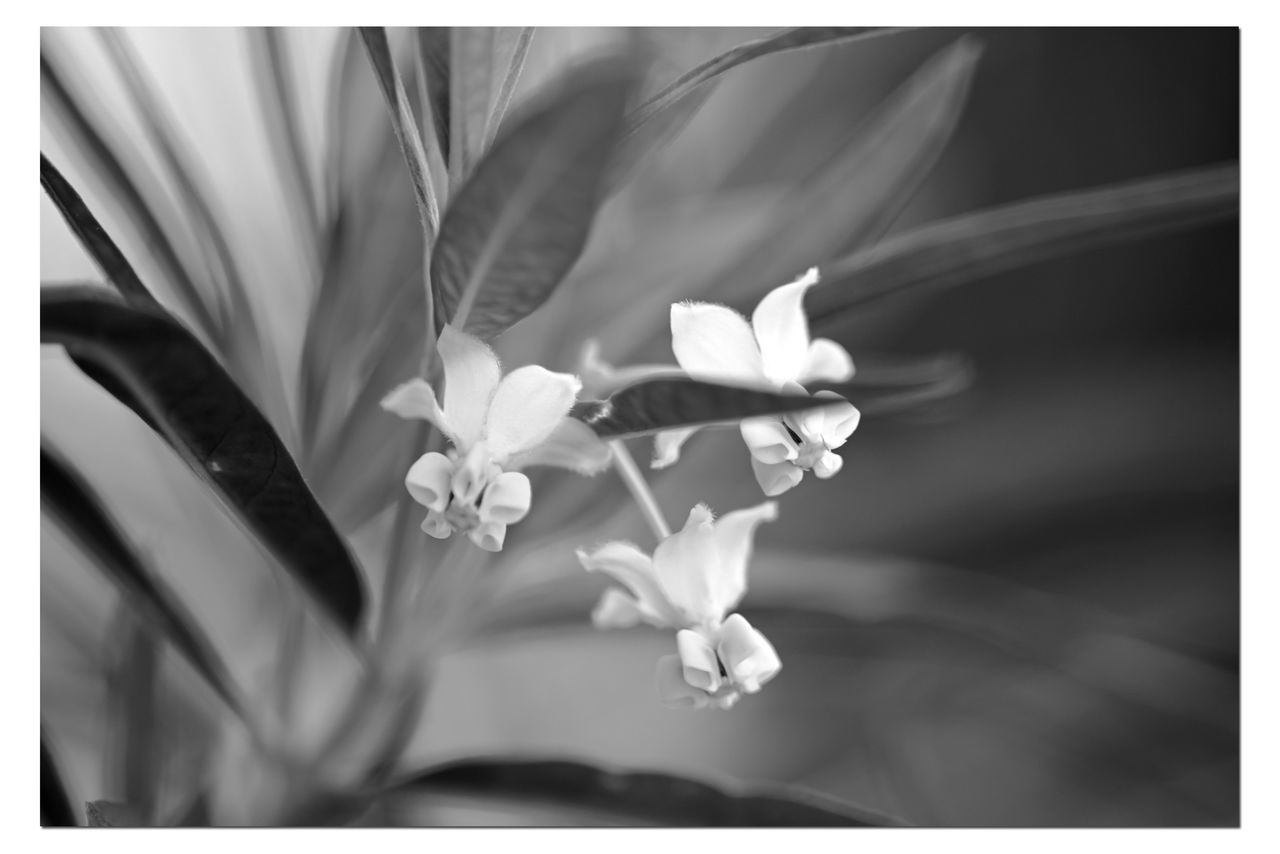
<point x="1033" y="583"/>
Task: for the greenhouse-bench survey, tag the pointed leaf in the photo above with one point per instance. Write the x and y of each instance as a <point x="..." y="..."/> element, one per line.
<point x="483" y="60"/>
<point x="178" y="388"/>
<point x="974" y="246"/>
<point x="433" y="58"/>
<point x="633" y="797"/>
<point x="55" y="806"/>
<point x="518" y="225"/>
<point x="80" y="513"/>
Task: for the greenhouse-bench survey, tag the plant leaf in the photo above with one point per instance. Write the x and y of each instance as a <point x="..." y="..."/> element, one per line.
<point x="55" y="806"/>
<point x="662" y="404"/>
<point x="134" y="739"/>
<point x="112" y="814"/>
<point x="518" y="225"/>
<point x="481" y="59"/>
<point x="179" y="389"/>
<point x="404" y="126"/>
<point x="73" y="504"/>
<point x="507" y="86"/>
<point x="433" y="58"/>
<point x="636" y="797"/>
<point x="974" y="246"/>
<point x="693" y="80"/>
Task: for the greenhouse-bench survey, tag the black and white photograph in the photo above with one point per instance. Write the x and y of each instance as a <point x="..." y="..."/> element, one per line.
<point x="638" y="427"/>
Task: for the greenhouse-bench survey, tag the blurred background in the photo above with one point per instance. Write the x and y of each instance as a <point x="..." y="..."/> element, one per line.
<point x="1018" y="606"/>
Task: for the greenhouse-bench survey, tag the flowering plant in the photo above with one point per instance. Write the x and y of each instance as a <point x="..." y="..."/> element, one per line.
<point x="465" y="211"/>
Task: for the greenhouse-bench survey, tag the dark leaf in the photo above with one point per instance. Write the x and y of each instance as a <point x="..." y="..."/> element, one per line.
<point x="80" y="513"/>
<point x="637" y="797"/>
<point x="518" y="225"/>
<point x="135" y="739"/>
<point x="974" y="246"/>
<point x="662" y="404"/>
<point x="178" y="388"/>
<point x="112" y="814"/>
<point x="404" y="126"/>
<point x="55" y="806"/>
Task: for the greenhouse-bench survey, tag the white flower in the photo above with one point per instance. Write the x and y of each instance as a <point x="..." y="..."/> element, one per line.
<point x="694" y="579"/>
<point x="497" y="425"/>
<point x="714" y="342"/>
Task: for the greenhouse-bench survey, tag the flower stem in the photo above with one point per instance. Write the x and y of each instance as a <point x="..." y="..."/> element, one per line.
<point x="631" y="476"/>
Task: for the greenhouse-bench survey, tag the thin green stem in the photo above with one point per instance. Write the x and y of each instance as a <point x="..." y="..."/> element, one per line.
<point x="639" y="487"/>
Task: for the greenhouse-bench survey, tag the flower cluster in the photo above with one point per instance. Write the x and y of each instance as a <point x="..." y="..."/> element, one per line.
<point x="695" y="577"/>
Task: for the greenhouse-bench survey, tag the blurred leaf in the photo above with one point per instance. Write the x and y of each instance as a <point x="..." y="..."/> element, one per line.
<point x="278" y="99"/>
<point x="80" y="513"/>
<point x="485" y="63"/>
<point x="518" y="225"/>
<point x="55" y="806"/>
<point x="855" y="197"/>
<point x="135" y="746"/>
<point x="978" y="245"/>
<point x="433" y="58"/>
<point x="636" y="798"/>
<point x="691" y="83"/>
<point x="661" y="404"/>
<point x="174" y="385"/>
<point x="112" y="814"/>
<point x="137" y="194"/>
<point x="404" y="126"/>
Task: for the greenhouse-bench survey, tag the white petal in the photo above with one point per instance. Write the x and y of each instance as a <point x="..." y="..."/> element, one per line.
<point x="839" y="420"/>
<point x="429" y="481"/>
<point x="827" y="361"/>
<point x="714" y="342"/>
<point x="776" y="478"/>
<point x="735" y="533"/>
<point x="828" y="465"/>
<point x="416" y="399"/>
<point x="748" y="657"/>
<point x="698" y="661"/>
<point x="437" y="526"/>
<point x="768" y="440"/>
<point x="471" y="374"/>
<point x="667" y="444"/>
<point x="489" y="536"/>
<point x="506" y="499"/>
<point x="617" y="610"/>
<point x="472" y="474"/>
<point x="572" y="445"/>
<point x="526" y="408"/>
<point x="633" y="569"/>
<point x="783" y="330"/>
<point x="687" y="564"/>
<point x="673" y="690"/>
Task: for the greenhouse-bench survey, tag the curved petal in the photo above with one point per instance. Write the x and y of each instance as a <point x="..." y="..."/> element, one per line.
<point x="471" y="374"/>
<point x="435" y="525"/>
<point x="698" y="662"/>
<point x="783" y="330"/>
<point x="506" y="499"/>
<point x="714" y="342"/>
<point x="633" y="569"/>
<point x="429" y="481"/>
<point x="618" y="610"/>
<point x="687" y="565"/>
<point x="776" y="478"/>
<point x="472" y="474"/>
<point x="827" y="361"/>
<point x="748" y="657"/>
<point x="828" y="465"/>
<point x="839" y="420"/>
<point x="735" y="533"/>
<point x="572" y="445"/>
<point x="673" y="690"/>
<point x="667" y="444"/>
<point x="489" y="536"/>
<point x="417" y="399"/>
<point x="528" y="405"/>
<point x="768" y="440"/>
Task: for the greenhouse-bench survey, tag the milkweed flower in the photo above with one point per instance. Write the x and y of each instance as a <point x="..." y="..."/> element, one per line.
<point x="714" y="342"/>
<point x="691" y="583"/>
<point x="497" y="425"/>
